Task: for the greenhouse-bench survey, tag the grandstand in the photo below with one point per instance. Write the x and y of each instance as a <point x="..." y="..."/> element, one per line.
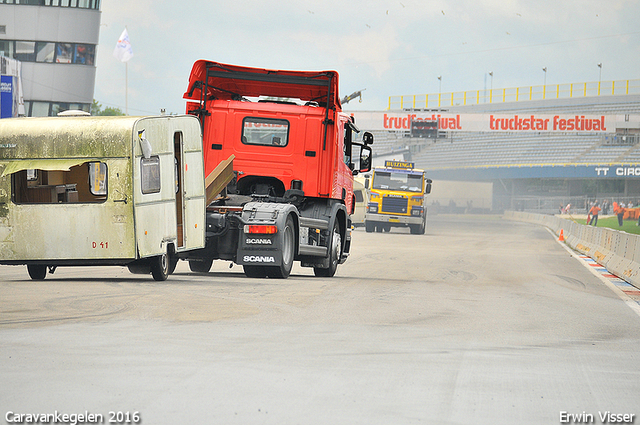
<point x="555" y="167"/>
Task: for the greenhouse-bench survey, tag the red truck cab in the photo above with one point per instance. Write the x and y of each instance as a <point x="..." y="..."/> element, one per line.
<point x="291" y="142"/>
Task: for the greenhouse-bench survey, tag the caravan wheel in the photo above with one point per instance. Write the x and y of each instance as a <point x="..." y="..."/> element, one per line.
<point x="160" y="267"/>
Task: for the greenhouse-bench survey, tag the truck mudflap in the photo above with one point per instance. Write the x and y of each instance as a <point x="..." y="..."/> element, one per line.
<point x="264" y="239"/>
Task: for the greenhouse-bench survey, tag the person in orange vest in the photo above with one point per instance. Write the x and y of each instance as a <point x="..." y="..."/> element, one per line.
<point x="593" y="212"/>
<point x="618" y="211"/>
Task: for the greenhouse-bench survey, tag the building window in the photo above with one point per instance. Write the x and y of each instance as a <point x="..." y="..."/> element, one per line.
<point x="44" y="109"/>
<point x="45" y="51"/>
<point x="48" y="52"/>
<point x="84" y="54"/>
<point x="25" y="51"/>
<point x="40" y="109"/>
<point x="6" y="48"/>
<point x="64" y="52"/>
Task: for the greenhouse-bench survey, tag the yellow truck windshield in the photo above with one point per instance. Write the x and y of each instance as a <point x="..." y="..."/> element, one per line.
<point x="386" y="180"/>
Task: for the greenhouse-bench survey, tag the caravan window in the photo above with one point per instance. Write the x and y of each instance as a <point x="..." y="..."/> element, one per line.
<point x="98" y="178"/>
<point x="70" y="183"/>
<point x="150" y="174"/>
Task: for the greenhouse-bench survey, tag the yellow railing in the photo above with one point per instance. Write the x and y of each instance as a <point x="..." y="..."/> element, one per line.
<point x="477" y="97"/>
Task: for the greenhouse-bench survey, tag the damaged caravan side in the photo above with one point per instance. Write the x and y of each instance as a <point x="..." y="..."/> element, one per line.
<point x="77" y="191"/>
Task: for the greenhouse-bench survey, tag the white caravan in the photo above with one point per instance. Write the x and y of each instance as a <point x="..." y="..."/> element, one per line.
<point x="77" y="191"/>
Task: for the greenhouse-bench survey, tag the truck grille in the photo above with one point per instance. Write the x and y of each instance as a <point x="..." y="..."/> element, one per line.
<point x="394" y="205"/>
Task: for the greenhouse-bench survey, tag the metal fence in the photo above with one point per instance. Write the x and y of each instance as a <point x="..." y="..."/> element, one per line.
<point x="579" y="205"/>
<point x="515" y="94"/>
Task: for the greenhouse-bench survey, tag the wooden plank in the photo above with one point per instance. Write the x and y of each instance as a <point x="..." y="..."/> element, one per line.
<point x="219" y="178"/>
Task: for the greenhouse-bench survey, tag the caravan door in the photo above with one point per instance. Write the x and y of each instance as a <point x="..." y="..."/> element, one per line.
<point x="190" y="195"/>
<point x="168" y="184"/>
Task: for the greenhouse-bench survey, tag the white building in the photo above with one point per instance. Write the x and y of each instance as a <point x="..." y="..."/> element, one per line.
<point x="56" y="42"/>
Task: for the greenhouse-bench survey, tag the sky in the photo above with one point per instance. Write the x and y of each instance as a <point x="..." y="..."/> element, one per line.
<point x="385" y="48"/>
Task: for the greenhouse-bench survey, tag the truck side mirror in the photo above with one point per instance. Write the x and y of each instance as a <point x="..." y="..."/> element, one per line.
<point x="366" y="182"/>
<point x="365" y="159"/>
<point x="367" y="138"/>
<point x="427" y="188"/>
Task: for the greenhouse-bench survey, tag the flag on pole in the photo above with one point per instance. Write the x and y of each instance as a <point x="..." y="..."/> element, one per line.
<point x="123" y="51"/>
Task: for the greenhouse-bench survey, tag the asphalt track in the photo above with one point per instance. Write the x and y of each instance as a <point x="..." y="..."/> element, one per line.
<point x="479" y="321"/>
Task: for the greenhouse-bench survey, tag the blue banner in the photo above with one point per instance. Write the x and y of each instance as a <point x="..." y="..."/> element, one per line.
<point x="6" y="96"/>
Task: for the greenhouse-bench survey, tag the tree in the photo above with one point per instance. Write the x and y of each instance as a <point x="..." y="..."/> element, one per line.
<point x="96" y="110"/>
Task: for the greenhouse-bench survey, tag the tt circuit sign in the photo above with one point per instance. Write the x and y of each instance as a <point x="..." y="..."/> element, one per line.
<point x="573" y="171"/>
<point x="406" y="121"/>
<point x="620" y="171"/>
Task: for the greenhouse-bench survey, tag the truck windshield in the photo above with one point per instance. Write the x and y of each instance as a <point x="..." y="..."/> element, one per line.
<point x="385" y="180"/>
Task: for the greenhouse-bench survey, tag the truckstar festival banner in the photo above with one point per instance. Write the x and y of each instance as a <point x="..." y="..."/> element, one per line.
<point x="402" y="121"/>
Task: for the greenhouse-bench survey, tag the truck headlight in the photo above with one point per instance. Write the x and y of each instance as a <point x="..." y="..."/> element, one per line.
<point x="373" y="208"/>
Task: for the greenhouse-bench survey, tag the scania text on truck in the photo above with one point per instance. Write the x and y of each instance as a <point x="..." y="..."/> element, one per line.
<point x="293" y="152"/>
<point x="397" y="198"/>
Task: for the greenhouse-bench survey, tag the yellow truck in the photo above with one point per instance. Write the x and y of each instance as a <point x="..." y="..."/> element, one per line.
<point x="397" y="198"/>
<point x="362" y="200"/>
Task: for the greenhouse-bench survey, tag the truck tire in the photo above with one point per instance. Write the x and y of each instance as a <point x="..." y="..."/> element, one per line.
<point x="288" y="252"/>
<point x="335" y="251"/>
<point x="160" y="266"/>
<point x="418" y="229"/>
<point x="37" y="271"/>
<point x="369" y="226"/>
<point x="200" y="266"/>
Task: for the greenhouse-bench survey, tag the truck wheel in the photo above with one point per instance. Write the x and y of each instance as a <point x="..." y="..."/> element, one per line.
<point x="335" y="251"/>
<point x="288" y="251"/>
<point x="418" y="229"/>
<point x="369" y="226"/>
<point x="160" y="267"/>
<point x="200" y="266"/>
<point x="254" y="271"/>
<point x="36" y="271"/>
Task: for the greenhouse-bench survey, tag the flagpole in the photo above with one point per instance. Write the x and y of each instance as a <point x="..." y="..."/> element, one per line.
<point x="126" y="82"/>
<point x="123" y="53"/>
<point x="126" y="88"/>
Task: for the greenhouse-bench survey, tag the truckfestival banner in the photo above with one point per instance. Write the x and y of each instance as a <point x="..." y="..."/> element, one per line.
<point x="524" y="122"/>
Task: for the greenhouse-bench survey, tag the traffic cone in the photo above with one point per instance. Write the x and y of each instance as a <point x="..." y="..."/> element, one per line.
<point x="561" y="238"/>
